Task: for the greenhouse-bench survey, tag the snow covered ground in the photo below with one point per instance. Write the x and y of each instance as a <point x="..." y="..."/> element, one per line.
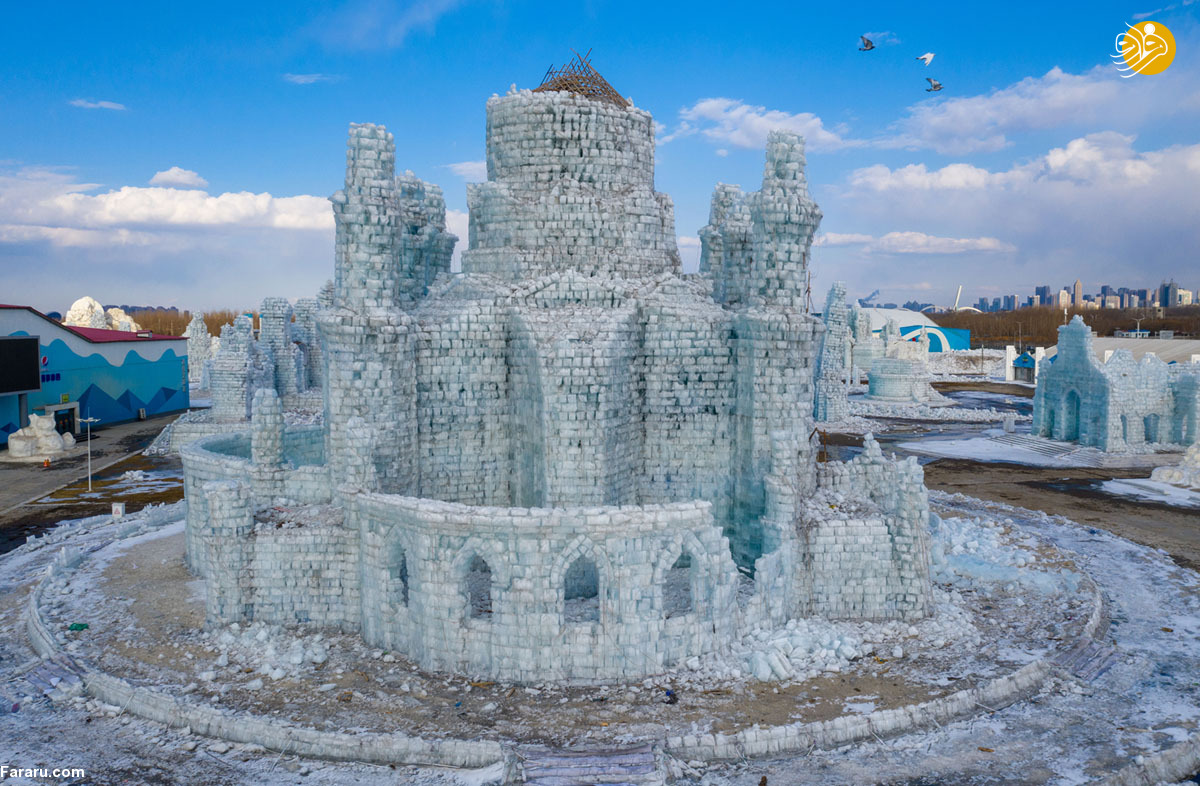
<point x="1077" y="728"/>
<point x="1153" y="491"/>
<point x="1031" y="451"/>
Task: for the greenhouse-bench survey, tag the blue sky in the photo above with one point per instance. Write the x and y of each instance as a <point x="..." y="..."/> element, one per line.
<point x="1036" y="164"/>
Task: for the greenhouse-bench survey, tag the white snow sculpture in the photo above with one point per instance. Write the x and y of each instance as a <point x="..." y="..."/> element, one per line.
<point x="39" y="439"/>
<point x="87" y="312"/>
<point x="1185" y="474"/>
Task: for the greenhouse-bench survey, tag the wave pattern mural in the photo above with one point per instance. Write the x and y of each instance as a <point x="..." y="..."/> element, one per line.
<point x="111" y="391"/>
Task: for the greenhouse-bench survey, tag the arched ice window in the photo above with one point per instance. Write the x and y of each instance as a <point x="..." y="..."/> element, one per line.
<point x="581" y="592"/>
<point x="398" y="576"/>
<point x="479" y="589"/>
<point x="677" y="588"/>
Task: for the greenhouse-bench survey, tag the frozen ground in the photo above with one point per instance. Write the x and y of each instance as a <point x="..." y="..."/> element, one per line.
<point x="1153" y="491"/>
<point x="1023" y="448"/>
<point x="1077" y="728"/>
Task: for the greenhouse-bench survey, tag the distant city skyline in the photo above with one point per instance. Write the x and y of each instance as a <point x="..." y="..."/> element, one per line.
<point x="1168" y="294"/>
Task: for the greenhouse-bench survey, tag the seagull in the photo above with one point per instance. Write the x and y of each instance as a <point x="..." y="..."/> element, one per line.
<point x="867" y="44"/>
<point x="934" y="85"/>
<point x="927" y="57"/>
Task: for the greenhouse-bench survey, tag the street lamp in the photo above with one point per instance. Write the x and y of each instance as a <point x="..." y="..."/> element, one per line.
<point x="89" y="421"/>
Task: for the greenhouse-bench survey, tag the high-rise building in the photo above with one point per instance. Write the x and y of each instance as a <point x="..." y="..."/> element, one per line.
<point x="1010" y="302"/>
<point x="1185" y="297"/>
<point x="1043" y="295"/>
<point x="982" y="304"/>
<point x="1077" y="300"/>
<point x="1110" y="301"/>
<point x="1064" y="298"/>
<point x="1168" y="294"/>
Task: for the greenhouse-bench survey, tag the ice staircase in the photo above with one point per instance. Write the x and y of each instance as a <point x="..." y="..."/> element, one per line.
<point x="549" y="767"/>
<point x="1068" y="452"/>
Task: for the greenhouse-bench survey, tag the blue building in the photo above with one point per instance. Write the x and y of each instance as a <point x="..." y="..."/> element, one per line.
<point x="112" y="375"/>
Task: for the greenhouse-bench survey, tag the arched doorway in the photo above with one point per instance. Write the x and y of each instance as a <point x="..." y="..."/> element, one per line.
<point x="1071" y="417"/>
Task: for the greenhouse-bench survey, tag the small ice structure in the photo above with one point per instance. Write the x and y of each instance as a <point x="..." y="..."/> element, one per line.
<point x="868" y="346"/>
<point x="1185" y="474"/>
<point x="568" y="461"/>
<point x="39" y="439"/>
<point x="1118" y="405"/>
<point x="903" y="374"/>
<point x="201" y="348"/>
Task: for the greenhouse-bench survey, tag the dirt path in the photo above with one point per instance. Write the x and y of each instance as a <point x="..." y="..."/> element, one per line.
<point x="73" y="501"/>
<point x="1068" y="492"/>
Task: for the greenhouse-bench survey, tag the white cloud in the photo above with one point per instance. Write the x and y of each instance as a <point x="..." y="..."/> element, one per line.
<point x="722" y="152"/>
<point x="378" y="24"/>
<point x="171" y="207"/>
<point x="836" y="239"/>
<point x="177" y="176"/>
<point x="1157" y="11"/>
<point x="158" y="244"/>
<point x="731" y="121"/>
<point x="458" y="222"/>
<point x="913" y="243"/>
<point x="471" y="171"/>
<point x="1095" y="208"/>
<point x="309" y="79"/>
<point x="921" y="243"/>
<point x="689" y="252"/>
<point x="85" y="104"/>
<point x="983" y="123"/>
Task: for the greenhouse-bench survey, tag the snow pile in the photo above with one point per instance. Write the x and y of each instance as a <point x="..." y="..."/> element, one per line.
<point x="967" y="361"/>
<point x="87" y="312"/>
<point x="954" y="414"/>
<point x="801" y="651"/>
<point x="850" y="425"/>
<point x="265" y="650"/>
<point x="975" y="552"/>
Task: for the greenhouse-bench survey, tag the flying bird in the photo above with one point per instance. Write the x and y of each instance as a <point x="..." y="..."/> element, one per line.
<point x="867" y="44"/>
<point x="934" y="85"/>
<point x="927" y="57"/>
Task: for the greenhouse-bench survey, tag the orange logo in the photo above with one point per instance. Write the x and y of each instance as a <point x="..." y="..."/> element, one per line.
<point x="1145" y="48"/>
